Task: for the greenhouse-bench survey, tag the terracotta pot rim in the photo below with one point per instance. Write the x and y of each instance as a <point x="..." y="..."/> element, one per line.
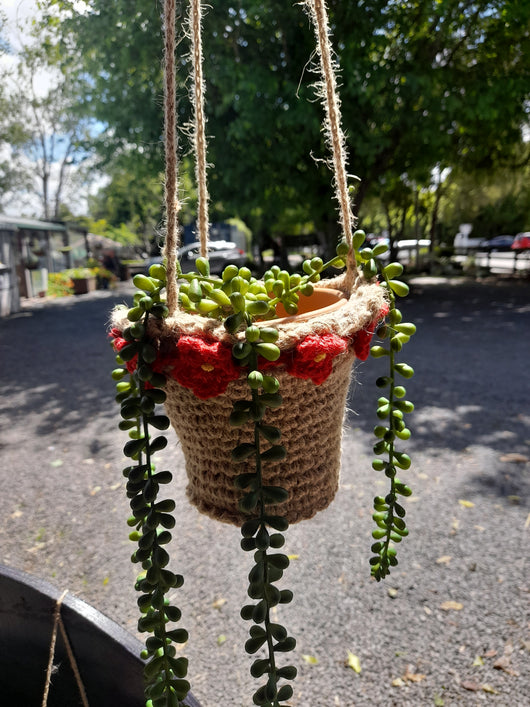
<point x="337" y="297"/>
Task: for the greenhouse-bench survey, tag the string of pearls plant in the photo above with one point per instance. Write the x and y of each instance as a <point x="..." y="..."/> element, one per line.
<point x="389" y="514"/>
<point x="238" y="299"/>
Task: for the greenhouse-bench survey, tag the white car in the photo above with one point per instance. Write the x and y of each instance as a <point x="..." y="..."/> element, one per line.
<point x="220" y="254"/>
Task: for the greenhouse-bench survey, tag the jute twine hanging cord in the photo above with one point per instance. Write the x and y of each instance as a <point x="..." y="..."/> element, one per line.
<point x="199" y="127"/>
<point x="171" y="145"/>
<point x="59" y="624"/>
<point x="170" y="137"/>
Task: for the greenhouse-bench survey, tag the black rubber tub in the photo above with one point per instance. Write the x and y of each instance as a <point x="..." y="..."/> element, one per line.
<point x="107" y="656"/>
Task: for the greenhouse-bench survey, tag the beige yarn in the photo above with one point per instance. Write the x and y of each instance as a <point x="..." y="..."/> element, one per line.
<point x="362" y="306"/>
<point x="310" y="418"/>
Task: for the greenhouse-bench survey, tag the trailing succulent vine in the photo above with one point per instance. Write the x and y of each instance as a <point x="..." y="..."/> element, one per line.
<point x="389" y="514"/>
<point x="269" y="566"/>
<point x="139" y="390"/>
<point x="239" y="300"/>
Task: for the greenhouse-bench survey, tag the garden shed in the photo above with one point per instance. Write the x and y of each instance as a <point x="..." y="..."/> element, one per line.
<point x="9" y="293"/>
<point x="30" y="249"/>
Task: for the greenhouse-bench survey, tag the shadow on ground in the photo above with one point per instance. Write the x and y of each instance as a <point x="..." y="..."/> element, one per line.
<point x="470" y="387"/>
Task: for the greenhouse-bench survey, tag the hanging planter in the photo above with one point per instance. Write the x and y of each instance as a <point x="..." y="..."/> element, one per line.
<point x="317" y="351"/>
<point x="254" y="376"/>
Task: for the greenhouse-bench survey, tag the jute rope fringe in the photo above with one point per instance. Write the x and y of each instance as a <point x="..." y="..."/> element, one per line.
<point x="361" y="307"/>
<point x="170" y="135"/>
<point x="58" y="623"/>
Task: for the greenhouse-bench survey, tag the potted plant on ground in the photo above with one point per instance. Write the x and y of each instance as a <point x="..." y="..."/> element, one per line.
<point x="84" y="280"/>
<point x="254" y="376"/>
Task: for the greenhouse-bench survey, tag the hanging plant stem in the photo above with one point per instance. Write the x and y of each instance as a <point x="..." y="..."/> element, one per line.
<point x="389" y="514"/>
<point x="151" y="518"/>
<point x="268" y="567"/>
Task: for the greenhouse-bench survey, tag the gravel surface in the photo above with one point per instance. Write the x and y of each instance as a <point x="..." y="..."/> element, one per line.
<point x="450" y="624"/>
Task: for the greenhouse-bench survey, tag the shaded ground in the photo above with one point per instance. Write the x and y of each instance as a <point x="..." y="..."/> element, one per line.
<point x="64" y="511"/>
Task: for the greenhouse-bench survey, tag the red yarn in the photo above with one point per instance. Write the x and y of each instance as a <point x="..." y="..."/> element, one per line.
<point x="207" y="367"/>
<point x="362" y="339"/>
<point x="204" y="367"/>
<point x="313" y="357"/>
<point x="118" y="344"/>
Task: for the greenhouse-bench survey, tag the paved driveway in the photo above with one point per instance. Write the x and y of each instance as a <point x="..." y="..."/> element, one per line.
<point x="429" y="635"/>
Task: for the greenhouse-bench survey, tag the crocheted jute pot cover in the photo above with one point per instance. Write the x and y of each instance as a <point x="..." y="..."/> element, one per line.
<point x="314" y="371"/>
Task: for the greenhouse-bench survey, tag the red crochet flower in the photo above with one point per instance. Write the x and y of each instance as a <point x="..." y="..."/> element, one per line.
<point x="313" y="357"/>
<point x="118" y="343"/>
<point x="204" y="367"/>
<point x="362" y="339"/>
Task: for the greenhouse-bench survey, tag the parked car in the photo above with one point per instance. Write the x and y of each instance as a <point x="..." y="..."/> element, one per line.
<point x="498" y="243"/>
<point x="521" y="241"/>
<point x="220" y="254"/>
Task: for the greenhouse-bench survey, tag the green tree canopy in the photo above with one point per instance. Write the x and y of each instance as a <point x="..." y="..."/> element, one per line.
<point x="423" y="83"/>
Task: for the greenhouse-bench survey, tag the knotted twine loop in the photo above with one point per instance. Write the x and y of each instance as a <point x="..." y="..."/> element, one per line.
<point x="199" y="139"/>
<point x="58" y="623"/>
<point x="332" y="126"/>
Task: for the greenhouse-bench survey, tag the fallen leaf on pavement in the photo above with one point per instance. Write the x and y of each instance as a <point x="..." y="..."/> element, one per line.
<point x="221" y="639"/>
<point x="503" y="663"/>
<point x="451" y="606"/>
<point x="57" y="462"/>
<point x="471" y="685"/>
<point x="353" y="662"/>
<point x="37" y="547"/>
<point x="218" y="603"/>
<point x="444" y="560"/>
<point x="490" y="654"/>
<point x="489" y="689"/>
<point x="310" y="659"/>
<point x="409" y="676"/>
<point x="466" y="504"/>
<point x="479" y="660"/>
<point x="392" y="592"/>
<point x="398" y="682"/>
<point x="514" y="457"/>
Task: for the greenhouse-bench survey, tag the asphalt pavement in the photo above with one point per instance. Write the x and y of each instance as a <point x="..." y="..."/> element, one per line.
<point x="450" y="624"/>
